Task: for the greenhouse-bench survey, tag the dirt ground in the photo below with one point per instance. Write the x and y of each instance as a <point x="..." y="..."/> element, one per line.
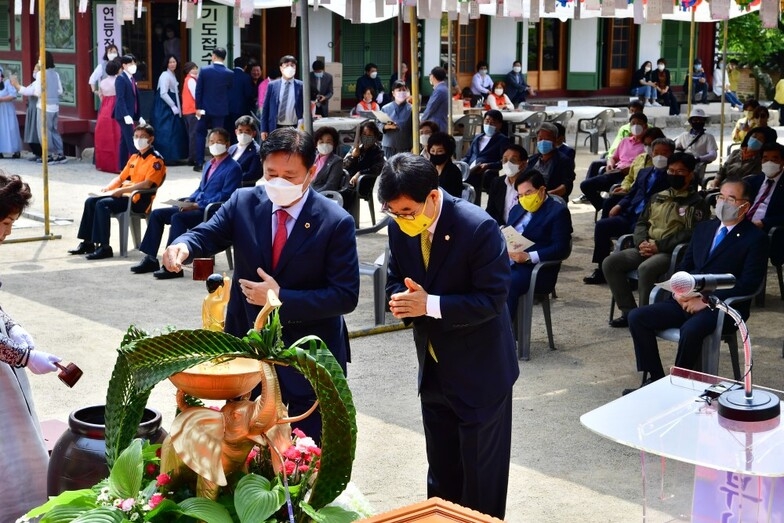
<point x="560" y="471"/>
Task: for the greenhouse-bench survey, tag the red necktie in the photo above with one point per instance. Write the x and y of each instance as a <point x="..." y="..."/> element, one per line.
<point x="753" y="209"/>
<point x="280" y="237"/>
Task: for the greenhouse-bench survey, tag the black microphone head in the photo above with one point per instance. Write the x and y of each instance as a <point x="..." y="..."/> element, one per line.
<point x="682" y="283"/>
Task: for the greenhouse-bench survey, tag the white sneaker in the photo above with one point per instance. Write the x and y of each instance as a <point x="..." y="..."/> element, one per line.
<point x="656" y="104"/>
<point x="647" y="104"/>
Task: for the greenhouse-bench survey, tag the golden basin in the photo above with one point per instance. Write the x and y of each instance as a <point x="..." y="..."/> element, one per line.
<point x="219" y="381"/>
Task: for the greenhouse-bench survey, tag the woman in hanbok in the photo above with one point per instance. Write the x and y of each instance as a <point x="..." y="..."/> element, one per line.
<point x="24" y="457"/>
<point x="107" y="130"/>
<point x="99" y="73"/>
<point x="10" y="139"/>
<point x="171" y="140"/>
<point x="31" y="136"/>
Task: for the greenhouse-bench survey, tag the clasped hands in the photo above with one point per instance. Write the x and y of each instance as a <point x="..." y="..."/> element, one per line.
<point x="691" y="304"/>
<point x="648" y="248"/>
<point x="411" y="303"/>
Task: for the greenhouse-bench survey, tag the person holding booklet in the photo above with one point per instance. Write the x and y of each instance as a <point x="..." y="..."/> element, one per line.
<point x="541" y="230"/>
<point x="144" y="170"/>
<point x="221" y="177"/>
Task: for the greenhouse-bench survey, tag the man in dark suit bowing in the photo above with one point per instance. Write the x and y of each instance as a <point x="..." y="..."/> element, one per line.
<point x="246" y="151"/>
<point x="221" y="177"/>
<point x="449" y="275"/>
<point x="729" y="244"/>
<point x="212" y="100"/>
<point x="484" y="156"/>
<point x="290" y="239"/>
<point x="283" y="102"/>
<point x="126" y="107"/>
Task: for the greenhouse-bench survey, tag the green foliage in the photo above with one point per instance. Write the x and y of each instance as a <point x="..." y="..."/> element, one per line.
<point x="752" y="45"/>
<point x="330" y="514"/>
<point x="125" y="478"/>
<point x="256" y="499"/>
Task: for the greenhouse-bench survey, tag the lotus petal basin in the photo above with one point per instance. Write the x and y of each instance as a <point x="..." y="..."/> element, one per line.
<point x="219" y="381"/>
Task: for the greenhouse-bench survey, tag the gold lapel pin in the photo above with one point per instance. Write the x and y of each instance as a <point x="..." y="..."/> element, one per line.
<point x="307" y="225"/>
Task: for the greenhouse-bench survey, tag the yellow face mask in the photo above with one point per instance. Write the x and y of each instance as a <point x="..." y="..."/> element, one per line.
<point x="531" y="202"/>
<point x="416" y="226"/>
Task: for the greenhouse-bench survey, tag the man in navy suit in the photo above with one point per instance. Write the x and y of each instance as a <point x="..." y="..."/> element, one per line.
<point x="544" y="220"/>
<point x="557" y="169"/>
<point x="437" y="109"/>
<point x="767" y="208"/>
<point x="241" y="94"/>
<point x="246" y="151"/>
<point x="449" y="275"/>
<point x="729" y="244"/>
<point x="126" y="107"/>
<point x="283" y="102"/>
<point x="486" y="150"/>
<point x="212" y="101"/>
<point x="222" y="176"/>
<point x="290" y="239"/>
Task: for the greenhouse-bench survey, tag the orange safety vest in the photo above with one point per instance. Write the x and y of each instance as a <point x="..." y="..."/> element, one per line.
<point x="188" y="102"/>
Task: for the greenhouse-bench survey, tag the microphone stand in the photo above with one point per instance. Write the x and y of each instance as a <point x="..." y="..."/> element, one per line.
<point x="744" y="404"/>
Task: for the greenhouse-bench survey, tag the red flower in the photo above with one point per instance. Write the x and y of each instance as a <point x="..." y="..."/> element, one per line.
<point x="298" y="433"/>
<point x="292" y="453"/>
<point x="155" y="499"/>
<point x="151" y="469"/>
<point x="304" y="468"/>
<point x="289" y="467"/>
<point x="158" y="453"/>
<point x="162" y="479"/>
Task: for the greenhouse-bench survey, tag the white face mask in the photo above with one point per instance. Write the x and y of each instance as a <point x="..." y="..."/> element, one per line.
<point x="131" y="69"/>
<point x="216" y="149"/>
<point x="423" y="138"/>
<point x="517" y="69"/>
<point x="282" y="192"/>
<point x="660" y="162"/>
<point x="647" y="68"/>
<point x="636" y="130"/>
<point x="141" y="143"/>
<point x="771" y="169"/>
<point x="499" y="92"/>
<point x="660" y="67"/>
<point x="288" y="72"/>
<point x="509" y="168"/>
<point x="373" y="74"/>
<point x="111" y="56"/>
<point x="401" y="96"/>
<point x="325" y="148"/>
<point x="244" y="139"/>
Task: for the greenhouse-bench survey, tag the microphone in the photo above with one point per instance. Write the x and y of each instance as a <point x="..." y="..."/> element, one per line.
<point x="683" y="283"/>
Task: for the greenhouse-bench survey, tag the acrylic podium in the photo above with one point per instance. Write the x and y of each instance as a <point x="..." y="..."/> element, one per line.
<point x="697" y="465"/>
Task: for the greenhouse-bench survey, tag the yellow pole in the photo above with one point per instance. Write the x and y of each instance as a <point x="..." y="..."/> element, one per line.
<point x="723" y="84"/>
<point x="690" y="85"/>
<point x="42" y="111"/>
<point x="414" y="79"/>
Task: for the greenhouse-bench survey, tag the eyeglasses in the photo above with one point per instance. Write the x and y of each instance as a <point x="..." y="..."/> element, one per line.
<point x="682" y="172"/>
<point x="408" y="216"/>
<point x="730" y="199"/>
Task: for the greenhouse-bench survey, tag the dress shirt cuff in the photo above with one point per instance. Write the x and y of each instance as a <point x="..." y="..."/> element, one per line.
<point x="433" y="307"/>
<point x="534" y="257"/>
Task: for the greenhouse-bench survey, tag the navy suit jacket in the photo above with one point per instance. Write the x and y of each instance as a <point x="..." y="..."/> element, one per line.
<point x="249" y="160"/>
<point x="269" y="113"/>
<point x="469" y="270"/>
<point x="638" y="194"/>
<point x="213" y="88"/>
<point x="492" y="152"/>
<point x="437" y="109"/>
<point x="550" y="229"/>
<point x="562" y="173"/>
<point x="242" y="92"/>
<point x="126" y="102"/>
<point x="318" y="270"/>
<point x="743" y="252"/>
<point x="774" y="215"/>
<point x="222" y="183"/>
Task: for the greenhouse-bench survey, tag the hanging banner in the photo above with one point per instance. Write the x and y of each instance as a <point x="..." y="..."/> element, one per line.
<point x="667" y="7"/>
<point x="720" y="9"/>
<point x="206" y="32"/>
<point x="549" y="6"/>
<point x="107" y="28"/>
<point x="769" y="13"/>
<point x="654" y="12"/>
<point x="592" y="5"/>
<point x="639" y="12"/>
<point x="608" y="8"/>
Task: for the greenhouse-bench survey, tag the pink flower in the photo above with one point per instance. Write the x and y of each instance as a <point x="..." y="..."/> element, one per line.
<point x="155" y="499"/>
<point x="298" y="433"/>
<point x="162" y="479"/>
<point x="304" y="468"/>
<point x="289" y="467"/>
<point x="151" y="469"/>
<point x="127" y="504"/>
<point x="252" y="455"/>
<point x="292" y="453"/>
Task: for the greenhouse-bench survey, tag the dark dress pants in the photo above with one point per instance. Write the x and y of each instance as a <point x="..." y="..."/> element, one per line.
<point x="593" y="187"/>
<point x="95" y="224"/>
<point x="180" y="223"/>
<point x="206" y="122"/>
<point x="644" y="322"/>
<point x="468" y="449"/>
<point x="126" y="144"/>
<point x="521" y="282"/>
<point x="594" y="167"/>
<point x="605" y="230"/>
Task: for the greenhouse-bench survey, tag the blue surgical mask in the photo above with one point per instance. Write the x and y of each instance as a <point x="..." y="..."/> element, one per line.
<point x="544" y="146"/>
<point x="754" y="144"/>
<point x="489" y="129"/>
<point x="319" y="75"/>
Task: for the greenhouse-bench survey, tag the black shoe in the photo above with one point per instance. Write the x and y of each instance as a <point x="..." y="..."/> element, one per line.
<point x="83" y="248"/>
<point x="163" y="274"/>
<point x="620" y="322"/>
<point x="148" y="264"/>
<point x="643" y="384"/>
<point x="16" y="156"/>
<point x="596" y="278"/>
<point x="198" y="168"/>
<point x="104" y="251"/>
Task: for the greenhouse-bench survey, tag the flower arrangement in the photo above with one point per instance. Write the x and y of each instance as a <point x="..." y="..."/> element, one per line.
<point x="260" y="492"/>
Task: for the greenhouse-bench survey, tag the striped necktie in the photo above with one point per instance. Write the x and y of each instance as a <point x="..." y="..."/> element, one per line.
<point x="284" y="103"/>
<point x="424" y="239"/>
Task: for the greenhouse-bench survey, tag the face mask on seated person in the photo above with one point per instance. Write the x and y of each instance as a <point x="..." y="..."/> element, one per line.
<point x="531" y="202"/>
<point x="489" y="129"/>
<point x="423" y="138"/>
<point x="325" y="148"/>
<point x="771" y="169"/>
<point x="368" y="142"/>
<point x="244" y="139"/>
<point x="544" y="146"/>
<point x="676" y="182"/>
<point x="726" y="212"/>
<point x="754" y="144"/>
<point x="439" y="159"/>
<point x="659" y="162"/>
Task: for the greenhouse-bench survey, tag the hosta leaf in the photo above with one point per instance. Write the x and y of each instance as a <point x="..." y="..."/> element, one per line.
<point x="73" y="498"/>
<point x="125" y="478"/>
<point x="63" y="514"/>
<point x="206" y="510"/>
<point x="102" y="515"/>
<point x="255" y="499"/>
<point x="329" y="514"/>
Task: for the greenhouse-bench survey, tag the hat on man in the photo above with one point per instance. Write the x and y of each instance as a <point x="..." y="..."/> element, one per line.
<point x="697" y="113"/>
